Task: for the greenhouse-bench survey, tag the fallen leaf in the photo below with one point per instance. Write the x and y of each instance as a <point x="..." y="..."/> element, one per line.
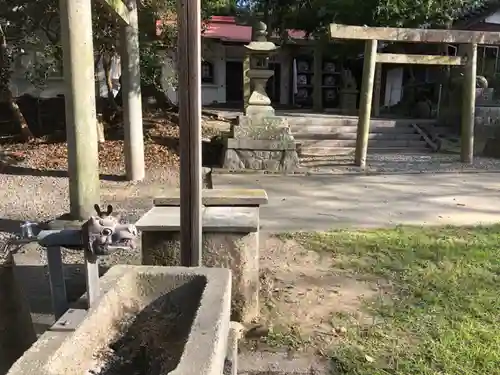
<point x="369" y="359"/>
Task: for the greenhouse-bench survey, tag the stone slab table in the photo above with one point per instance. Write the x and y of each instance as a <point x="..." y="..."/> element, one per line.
<point x="230" y="220"/>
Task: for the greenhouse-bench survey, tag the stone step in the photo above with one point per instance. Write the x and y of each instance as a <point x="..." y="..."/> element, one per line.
<point x="305" y="130"/>
<point x="332" y="120"/>
<point x="349" y="136"/>
<point x="327" y="151"/>
<point x="377" y="143"/>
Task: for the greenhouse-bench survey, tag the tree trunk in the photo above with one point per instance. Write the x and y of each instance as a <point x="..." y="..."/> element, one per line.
<point x="6" y="92"/>
<point x="26" y="133"/>
<point x="16" y="328"/>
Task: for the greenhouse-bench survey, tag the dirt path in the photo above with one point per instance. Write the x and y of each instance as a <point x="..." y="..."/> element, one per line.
<point x="356" y="201"/>
<point x="302" y="292"/>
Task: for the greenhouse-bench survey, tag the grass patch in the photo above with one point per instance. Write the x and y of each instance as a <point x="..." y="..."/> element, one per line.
<point x="443" y="313"/>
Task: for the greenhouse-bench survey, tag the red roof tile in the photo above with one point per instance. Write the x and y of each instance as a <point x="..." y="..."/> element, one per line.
<point x="226" y="29"/>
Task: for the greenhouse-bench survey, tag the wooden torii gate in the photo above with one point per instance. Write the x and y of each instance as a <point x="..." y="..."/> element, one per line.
<point x="470" y="40"/>
<point x="78" y="66"/>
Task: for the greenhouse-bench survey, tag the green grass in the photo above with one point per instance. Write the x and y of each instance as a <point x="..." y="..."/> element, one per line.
<point x="442" y="315"/>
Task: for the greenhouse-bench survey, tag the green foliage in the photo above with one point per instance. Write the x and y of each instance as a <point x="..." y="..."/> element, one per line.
<point x="314" y="16"/>
<point x="437" y="310"/>
<point x="33" y="25"/>
<point x="406" y="13"/>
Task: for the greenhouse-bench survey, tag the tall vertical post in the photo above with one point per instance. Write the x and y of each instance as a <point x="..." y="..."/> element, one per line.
<point x="189" y="80"/>
<point x="81" y="129"/>
<point x="132" y="104"/>
<point x="246" y="81"/>
<point x="469" y="105"/>
<point x="318" y="77"/>
<point x="376" y="89"/>
<point x="365" y="105"/>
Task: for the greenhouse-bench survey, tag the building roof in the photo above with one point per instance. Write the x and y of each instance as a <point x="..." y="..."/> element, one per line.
<point x="475" y="12"/>
<point x="225" y="28"/>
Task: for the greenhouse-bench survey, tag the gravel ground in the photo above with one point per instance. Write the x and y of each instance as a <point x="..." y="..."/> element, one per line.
<point x="39" y="198"/>
<point x="43" y="198"/>
<point x="401" y="163"/>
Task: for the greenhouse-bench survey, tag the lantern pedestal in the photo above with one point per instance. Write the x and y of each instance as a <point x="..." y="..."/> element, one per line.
<point x="260" y="140"/>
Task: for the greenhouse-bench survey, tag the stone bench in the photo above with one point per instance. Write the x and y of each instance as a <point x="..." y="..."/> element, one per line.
<point x="230" y="219"/>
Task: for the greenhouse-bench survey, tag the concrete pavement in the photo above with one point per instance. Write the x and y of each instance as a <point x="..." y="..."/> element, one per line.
<point x="357" y="201"/>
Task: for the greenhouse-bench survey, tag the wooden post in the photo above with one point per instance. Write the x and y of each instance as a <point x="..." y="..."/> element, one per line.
<point x="246" y="82"/>
<point x="365" y="104"/>
<point x="189" y="59"/>
<point x="318" y="77"/>
<point x="376" y="89"/>
<point x="132" y="101"/>
<point x="81" y="129"/>
<point x="469" y="105"/>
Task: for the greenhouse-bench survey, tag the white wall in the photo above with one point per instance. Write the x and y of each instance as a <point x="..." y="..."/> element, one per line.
<point x="20" y="85"/>
<point x="213" y="51"/>
<point x="218" y="54"/>
<point x="212" y="93"/>
<point x="393" y="86"/>
<point x="55" y="86"/>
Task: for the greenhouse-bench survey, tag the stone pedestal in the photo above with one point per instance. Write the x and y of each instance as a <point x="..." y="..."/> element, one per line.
<point x="259" y="104"/>
<point x="230" y="240"/>
<point x="261" y="143"/>
<point x="349" y="102"/>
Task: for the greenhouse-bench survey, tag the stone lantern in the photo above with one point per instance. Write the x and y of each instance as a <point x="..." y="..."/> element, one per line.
<point x="260" y="140"/>
<point x="259" y="50"/>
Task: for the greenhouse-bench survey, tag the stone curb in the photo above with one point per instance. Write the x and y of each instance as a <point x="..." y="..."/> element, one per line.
<point x="220" y="171"/>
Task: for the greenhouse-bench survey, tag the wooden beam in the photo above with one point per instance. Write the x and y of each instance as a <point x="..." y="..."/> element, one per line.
<point x="365" y="103"/>
<point x="403" y="58"/>
<point x="118" y="8"/>
<point x="338" y="31"/>
<point x="189" y="83"/>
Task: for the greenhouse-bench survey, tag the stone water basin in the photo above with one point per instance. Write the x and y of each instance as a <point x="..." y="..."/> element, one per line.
<point x="151" y="321"/>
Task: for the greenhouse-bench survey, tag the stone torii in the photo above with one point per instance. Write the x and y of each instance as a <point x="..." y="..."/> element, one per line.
<point x="77" y="43"/>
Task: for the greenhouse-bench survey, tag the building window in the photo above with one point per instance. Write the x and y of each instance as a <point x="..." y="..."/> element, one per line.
<point x="207" y="72"/>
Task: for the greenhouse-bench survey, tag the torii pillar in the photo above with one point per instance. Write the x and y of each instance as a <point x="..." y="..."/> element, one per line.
<point x="78" y="52"/>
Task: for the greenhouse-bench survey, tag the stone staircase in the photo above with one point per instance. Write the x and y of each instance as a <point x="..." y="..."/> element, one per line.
<point x="335" y="136"/>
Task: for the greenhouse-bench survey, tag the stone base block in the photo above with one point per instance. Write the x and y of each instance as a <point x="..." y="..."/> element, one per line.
<point x="277" y="160"/>
<point x="261" y="144"/>
<point x="236" y="251"/>
<point x="266" y="128"/>
<point x="259" y="111"/>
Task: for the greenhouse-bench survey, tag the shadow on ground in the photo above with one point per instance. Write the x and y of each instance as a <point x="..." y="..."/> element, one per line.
<point x="10" y="225"/>
<point x="340" y="201"/>
<point x="23" y="171"/>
